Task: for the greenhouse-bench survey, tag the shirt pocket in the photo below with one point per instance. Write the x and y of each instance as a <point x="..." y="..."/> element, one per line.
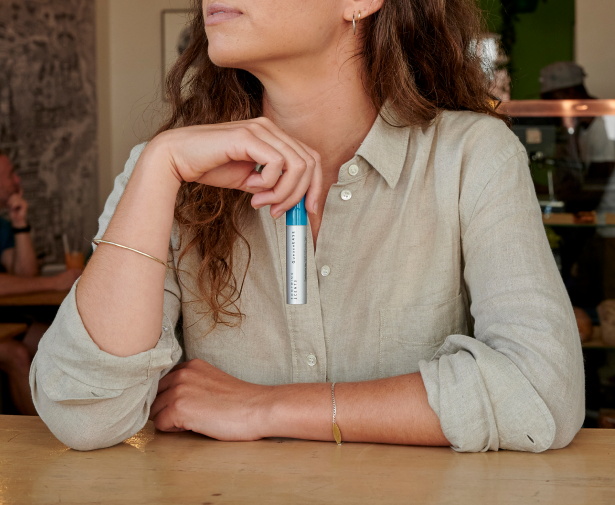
<point x="411" y="334"/>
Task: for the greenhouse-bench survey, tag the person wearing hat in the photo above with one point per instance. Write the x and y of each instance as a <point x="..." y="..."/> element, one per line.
<point x="565" y="80"/>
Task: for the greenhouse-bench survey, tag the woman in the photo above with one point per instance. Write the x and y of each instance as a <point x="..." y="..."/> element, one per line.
<point x="434" y="301"/>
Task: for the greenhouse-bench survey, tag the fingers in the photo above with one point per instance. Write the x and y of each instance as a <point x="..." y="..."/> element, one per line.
<point x="161" y="412"/>
<point x="301" y="171"/>
<point x="16" y="200"/>
<point x="168" y="411"/>
<point x="164" y="417"/>
<point x="165" y="382"/>
<point x="160" y="403"/>
<point x="224" y="155"/>
<point x="312" y="181"/>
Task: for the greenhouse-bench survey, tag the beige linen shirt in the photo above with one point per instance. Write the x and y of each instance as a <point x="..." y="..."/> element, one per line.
<point x="431" y="257"/>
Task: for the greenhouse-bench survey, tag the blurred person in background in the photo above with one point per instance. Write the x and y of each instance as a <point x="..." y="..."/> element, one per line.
<point x="19" y="274"/>
<point x="595" y="142"/>
<point x="19" y="270"/>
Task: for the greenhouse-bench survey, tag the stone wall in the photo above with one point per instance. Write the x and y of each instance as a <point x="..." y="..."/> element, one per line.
<point x="48" y="116"/>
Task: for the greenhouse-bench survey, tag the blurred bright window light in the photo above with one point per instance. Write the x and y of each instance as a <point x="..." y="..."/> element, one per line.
<point x="493" y="62"/>
<point x="609" y="122"/>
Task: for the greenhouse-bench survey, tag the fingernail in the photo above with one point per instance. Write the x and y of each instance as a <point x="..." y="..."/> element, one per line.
<point x="315" y="208"/>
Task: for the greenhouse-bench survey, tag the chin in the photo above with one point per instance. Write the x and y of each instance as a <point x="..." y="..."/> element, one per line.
<point x="225" y="57"/>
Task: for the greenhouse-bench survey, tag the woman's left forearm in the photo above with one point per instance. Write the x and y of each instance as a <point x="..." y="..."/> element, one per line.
<point x="394" y="410"/>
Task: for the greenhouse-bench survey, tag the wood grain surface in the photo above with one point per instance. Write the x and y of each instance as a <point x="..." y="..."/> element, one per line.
<point x="50" y="298"/>
<point x="186" y="468"/>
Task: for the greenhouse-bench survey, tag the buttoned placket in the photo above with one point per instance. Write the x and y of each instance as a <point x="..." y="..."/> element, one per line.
<point x="305" y="322"/>
<point x="332" y="258"/>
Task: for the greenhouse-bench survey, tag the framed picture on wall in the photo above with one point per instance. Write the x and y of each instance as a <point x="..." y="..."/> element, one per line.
<point x="175" y="38"/>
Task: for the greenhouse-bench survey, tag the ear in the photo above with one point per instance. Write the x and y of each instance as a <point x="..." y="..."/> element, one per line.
<point x="366" y="7"/>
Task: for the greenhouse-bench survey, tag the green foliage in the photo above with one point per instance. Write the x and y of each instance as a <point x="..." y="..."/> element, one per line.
<point x="510" y="10"/>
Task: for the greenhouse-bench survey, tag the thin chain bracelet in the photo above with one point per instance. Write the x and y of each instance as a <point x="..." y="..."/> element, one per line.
<point x="337" y="434"/>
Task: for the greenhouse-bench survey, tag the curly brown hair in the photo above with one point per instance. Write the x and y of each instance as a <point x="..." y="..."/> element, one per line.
<point x="419" y="58"/>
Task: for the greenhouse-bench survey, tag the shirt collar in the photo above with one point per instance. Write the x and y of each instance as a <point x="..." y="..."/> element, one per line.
<point x="385" y="148"/>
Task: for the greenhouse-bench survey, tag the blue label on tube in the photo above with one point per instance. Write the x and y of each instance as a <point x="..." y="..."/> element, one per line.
<point x="297" y="216"/>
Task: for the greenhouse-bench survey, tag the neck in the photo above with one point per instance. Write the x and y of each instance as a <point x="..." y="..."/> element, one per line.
<point x="328" y="109"/>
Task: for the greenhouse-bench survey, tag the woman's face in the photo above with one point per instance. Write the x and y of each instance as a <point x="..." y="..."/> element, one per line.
<point x="258" y="35"/>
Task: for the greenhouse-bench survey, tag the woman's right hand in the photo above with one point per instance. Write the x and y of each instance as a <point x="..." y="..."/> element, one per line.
<point x="225" y="154"/>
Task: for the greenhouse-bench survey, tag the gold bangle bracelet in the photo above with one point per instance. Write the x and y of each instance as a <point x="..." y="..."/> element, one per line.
<point x="98" y="241"/>
<point x="337" y="434"/>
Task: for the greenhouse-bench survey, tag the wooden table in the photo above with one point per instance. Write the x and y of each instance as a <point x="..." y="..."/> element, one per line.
<point x="568" y="219"/>
<point x="50" y="298"/>
<point x="186" y="468"/>
<point x="11" y="330"/>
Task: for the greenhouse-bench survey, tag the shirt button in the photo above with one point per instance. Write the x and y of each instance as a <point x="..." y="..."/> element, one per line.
<point x="353" y="170"/>
<point x="325" y="270"/>
<point x="311" y="359"/>
<point x="346" y="194"/>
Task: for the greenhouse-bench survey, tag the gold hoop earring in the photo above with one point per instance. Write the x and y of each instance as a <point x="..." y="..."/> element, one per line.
<point x="354" y="22"/>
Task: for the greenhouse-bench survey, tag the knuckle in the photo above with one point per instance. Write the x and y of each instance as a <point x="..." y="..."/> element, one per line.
<point x="244" y="133"/>
<point x="277" y="159"/>
<point x="254" y="127"/>
<point x="261" y="120"/>
<point x="183" y="375"/>
<point x="178" y="397"/>
<point x="302" y="165"/>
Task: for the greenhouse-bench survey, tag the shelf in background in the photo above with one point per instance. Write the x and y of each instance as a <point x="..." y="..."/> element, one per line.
<point x="558" y="108"/>
<point x="568" y="219"/>
<point x="596" y="341"/>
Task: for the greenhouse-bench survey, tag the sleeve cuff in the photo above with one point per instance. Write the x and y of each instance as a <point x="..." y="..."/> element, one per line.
<point x="75" y="369"/>
<point x="478" y="410"/>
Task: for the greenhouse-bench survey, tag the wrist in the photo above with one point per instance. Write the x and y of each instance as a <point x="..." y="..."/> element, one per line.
<point x="264" y="409"/>
<point x="20" y="227"/>
<point x="296" y="411"/>
<point x="159" y="149"/>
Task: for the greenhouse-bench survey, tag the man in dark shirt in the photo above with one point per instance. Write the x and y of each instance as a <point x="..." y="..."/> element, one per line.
<point x="17" y="256"/>
<point x="19" y="274"/>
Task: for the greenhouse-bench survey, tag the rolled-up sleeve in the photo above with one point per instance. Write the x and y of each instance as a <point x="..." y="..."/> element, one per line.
<point x="87" y="397"/>
<point x="519" y="384"/>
